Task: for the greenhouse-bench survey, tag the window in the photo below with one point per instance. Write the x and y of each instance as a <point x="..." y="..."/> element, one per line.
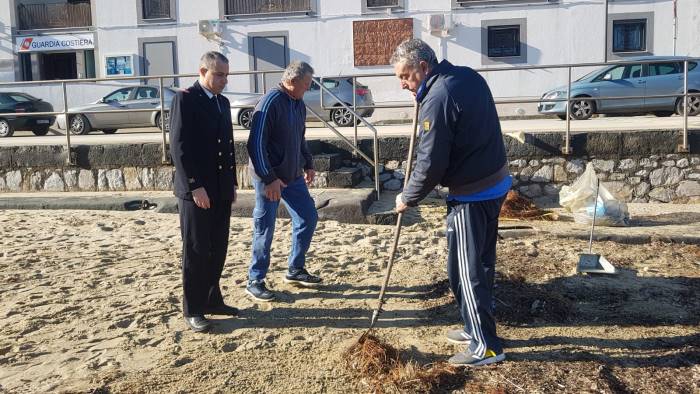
<point x="119" y="95"/>
<point x="621" y="72"/>
<point x="37" y="14"/>
<point x="666" y="68"/>
<point x="504" y="41"/>
<point x="19" y="98"/>
<point x="382" y="3"/>
<point x="156" y="9"/>
<point x="146" y="93"/>
<point x="629" y="35"/>
<point x="258" y="7"/>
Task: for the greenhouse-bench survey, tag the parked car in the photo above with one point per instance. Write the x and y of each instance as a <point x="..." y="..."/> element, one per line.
<point x="242" y="106"/>
<point x="664" y="76"/>
<point x="15" y="102"/>
<point x="134" y="97"/>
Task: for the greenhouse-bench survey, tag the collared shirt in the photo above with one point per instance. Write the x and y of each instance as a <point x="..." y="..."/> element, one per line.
<point x="210" y="95"/>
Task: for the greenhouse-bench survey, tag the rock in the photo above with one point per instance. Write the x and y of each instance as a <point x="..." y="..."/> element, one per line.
<point x="102" y="184"/>
<point x="321" y="180"/>
<point x="682" y="163"/>
<point x="665" y="176"/>
<point x="534" y="163"/>
<point x="627" y="165"/>
<point x="642" y="173"/>
<point x="648" y="163"/>
<point x="71" y="179"/>
<point x="695" y="161"/>
<point x="532" y="251"/>
<point x="531" y="191"/>
<point x="54" y="183"/>
<point x="164" y="178"/>
<point x="518" y="163"/>
<point x="35" y="181"/>
<point x="146" y="178"/>
<point x="2" y="183"/>
<point x="551" y="190"/>
<point x="560" y="174"/>
<point x="661" y="194"/>
<point x="86" y="180"/>
<point x="139" y="222"/>
<point x="393" y="185"/>
<point x="181" y="361"/>
<point x="131" y="178"/>
<point x="229" y="347"/>
<point x="603" y="165"/>
<point x="392" y="164"/>
<point x="642" y="189"/>
<point x="688" y="189"/>
<point x="634" y="180"/>
<point x="575" y="166"/>
<point x="617" y="177"/>
<point x="620" y="190"/>
<point x="525" y="174"/>
<point x="13" y="181"/>
<point x="115" y="179"/>
<point x="694" y="176"/>
<point x="544" y="174"/>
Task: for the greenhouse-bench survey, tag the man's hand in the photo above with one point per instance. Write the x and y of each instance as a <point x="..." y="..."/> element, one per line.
<point x="273" y="191"/>
<point x="400" y="206"/>
<point x="201" y="198"/>
<point x="309" y="176"/>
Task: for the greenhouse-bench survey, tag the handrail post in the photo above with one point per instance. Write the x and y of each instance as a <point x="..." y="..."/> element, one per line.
<point x="264" y="82"/>
<point x="69" y="157"/>
<point x="567" y="136"/>
<point x="683" y="148"/>
<point x="354" y="108"/>
<point x="376" y="165"/>
<point x="164" y="147"/>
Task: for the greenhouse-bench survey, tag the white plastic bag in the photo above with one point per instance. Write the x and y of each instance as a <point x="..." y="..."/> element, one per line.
<point x="579" y="199"/>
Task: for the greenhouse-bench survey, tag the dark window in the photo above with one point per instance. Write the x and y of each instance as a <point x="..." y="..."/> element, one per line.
<point x="5" y="99"/>
<point x="119" y="95"/>
<point x="156" y="9"/>
<point x="665" y="68"/>
<point x="252" y="7"/>
<point x="503" y="41"/>
<point x="630" y="35"/>
<point x="146" y="93"/>
<point x="382" y="3"/>
<point x="36" y="14"/>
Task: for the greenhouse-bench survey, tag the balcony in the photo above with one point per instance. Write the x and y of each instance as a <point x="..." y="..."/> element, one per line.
<point x="54" y="15"/>
<point x="267" y="7"/>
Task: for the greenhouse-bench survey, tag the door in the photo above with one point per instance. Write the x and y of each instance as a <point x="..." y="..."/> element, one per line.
<point x="59" y="66"/>
<point x="268" y="53"/>
<point x="146" y="97"/>
<point x="116" y="100"/>
<point x="621" y="81"/>
<point x="159" y="59"/>
<point x="663" y="78"/>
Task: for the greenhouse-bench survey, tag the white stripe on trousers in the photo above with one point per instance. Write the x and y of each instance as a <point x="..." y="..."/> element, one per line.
<point x="467" y="290"/>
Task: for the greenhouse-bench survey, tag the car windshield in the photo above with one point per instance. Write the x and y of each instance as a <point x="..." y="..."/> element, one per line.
<point x="589" y="74"/>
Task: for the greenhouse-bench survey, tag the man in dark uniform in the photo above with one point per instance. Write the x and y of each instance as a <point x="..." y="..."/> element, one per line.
<point x="201" y="147"/>
<point x="460" y="147"/>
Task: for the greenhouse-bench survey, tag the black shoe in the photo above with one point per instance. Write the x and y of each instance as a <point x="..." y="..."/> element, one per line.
<point x="258" y="290"/>
<point x="302" y="277"/>
<point x="221" y="309"/>
<point x="197" y="323"/>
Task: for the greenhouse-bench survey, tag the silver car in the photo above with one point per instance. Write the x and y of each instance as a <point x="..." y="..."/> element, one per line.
<point x="134" y="97"/>
<point x="663" y="77"/>
<point x="242" y="106"/>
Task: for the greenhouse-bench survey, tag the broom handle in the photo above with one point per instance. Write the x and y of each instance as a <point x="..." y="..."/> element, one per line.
<point x="595" y="208"/>
<point x="397" y="229"/>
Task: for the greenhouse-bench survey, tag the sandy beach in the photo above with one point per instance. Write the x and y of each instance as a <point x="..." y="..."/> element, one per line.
<point x="91" y="303"/>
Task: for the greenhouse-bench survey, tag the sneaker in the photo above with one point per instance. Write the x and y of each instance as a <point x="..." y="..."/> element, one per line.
<point x="468" y="359"/>
<point x="302" y="277"/>
<point x="258" y="290"/>
<point x="459" y="337"/>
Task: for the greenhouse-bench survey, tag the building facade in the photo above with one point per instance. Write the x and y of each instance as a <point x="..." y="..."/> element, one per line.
<point x="73" y="39"/>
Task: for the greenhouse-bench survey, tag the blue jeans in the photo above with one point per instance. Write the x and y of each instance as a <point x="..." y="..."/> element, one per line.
<point x="301" y="208"/>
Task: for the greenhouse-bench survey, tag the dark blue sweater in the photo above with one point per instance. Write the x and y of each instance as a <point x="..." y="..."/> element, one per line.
<point x="460" y="145"/>
<point x="276" y="144"/>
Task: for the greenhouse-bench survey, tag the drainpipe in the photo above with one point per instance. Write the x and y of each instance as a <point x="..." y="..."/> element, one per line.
<point x="605" y="45"/>
<point x="675" y="25"/>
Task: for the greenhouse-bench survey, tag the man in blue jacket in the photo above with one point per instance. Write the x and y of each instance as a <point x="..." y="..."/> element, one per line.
<point x="461" y="147"/>
<point x="282" y="167"/>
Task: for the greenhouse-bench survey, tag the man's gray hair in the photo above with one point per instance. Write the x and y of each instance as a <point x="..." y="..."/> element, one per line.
<point x="412" y="52"/>
<point x="210" y="58"/>
<point x="295" y="70"/>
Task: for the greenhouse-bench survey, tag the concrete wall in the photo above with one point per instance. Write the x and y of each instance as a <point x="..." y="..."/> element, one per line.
<point x="571" y="31"/>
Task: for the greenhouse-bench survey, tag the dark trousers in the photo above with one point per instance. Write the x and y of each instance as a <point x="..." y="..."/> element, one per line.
<point x="204" y="243"/>
<point x="471" y="263"/>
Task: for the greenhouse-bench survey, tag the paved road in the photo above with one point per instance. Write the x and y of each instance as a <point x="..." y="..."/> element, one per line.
<point x="316" y="130"/>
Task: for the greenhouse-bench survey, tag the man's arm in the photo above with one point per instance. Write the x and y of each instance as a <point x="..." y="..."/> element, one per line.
<point x="436" y="121"/>
<point x="181" y="141"/>
<point x="261" y="126"/>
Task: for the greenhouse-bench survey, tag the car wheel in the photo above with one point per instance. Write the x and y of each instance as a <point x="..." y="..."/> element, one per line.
<point x="167" y="121"/>
<point x="79" y="125"/>
<point x="562" y="117"/>
<point x="342" y="117"/>
<point x="693" y="105"/>
<point x="6" y="129"/>
<point x="582" y="109"/>
<point x="663" y="114"/>
<point x="245" y="118"/>
<point x="40" y="130"/>
<point x="109" y="131"/>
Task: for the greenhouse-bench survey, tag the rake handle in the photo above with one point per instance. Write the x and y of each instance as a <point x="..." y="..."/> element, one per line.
<point x="399" y="219"/>
<point x="595" y="208"/>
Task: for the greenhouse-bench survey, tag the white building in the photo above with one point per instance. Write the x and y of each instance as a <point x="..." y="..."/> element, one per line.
<point x="67" y="39"/>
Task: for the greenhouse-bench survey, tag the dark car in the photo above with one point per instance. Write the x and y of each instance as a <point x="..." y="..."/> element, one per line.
<point x="15" y="102"/>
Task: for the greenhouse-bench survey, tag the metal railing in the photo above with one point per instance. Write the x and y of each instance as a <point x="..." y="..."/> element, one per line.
<point x="49" y="16"/>
<point x="566" y="149"/>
